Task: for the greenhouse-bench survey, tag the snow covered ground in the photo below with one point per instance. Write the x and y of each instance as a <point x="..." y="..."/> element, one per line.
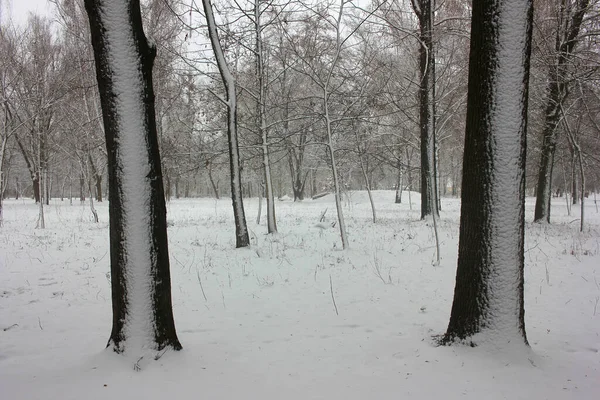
<point x="260" y="323"/>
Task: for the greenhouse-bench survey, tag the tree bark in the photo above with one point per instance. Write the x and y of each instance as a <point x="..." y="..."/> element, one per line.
<point x="488" y="296"/>
<point x="140" y="271"/>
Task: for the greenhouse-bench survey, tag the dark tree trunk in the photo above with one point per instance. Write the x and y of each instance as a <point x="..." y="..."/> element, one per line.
<point x="424" y="11"/>
<point x="296" y="163"/>
<point x="549" y="134"/>
<point x="97" y="177"/>
<point x="567" y="37"/>
<point x="36" y="181"/>
<point x="82" y="187"/>
<point x="213" y="184"/>
<point x="99" y="188"/>
<point x="33" y="171"/>
<point x="47" y="187"/>
<point x="488" y="295"/>
<point x="140" y="278"/>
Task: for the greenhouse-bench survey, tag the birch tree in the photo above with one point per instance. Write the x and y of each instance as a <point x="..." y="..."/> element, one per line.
<point x="140" y="273"/>
<point x="488" y="297"/>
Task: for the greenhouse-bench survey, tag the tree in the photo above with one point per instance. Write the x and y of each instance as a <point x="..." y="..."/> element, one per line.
<point x="39" y="91"/>
<point x="140" y="276"/>
<point x="424" y="11"/>
<point x="9" y="75"/>
<point x="569" y="18"/>
<point x="241" y="230"/>
<point x="488" y="297"/>
<point x="261" y="116"/>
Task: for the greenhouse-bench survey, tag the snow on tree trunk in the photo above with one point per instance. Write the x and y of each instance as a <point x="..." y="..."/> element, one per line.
<point x="488" y="297"/>
<point x="140" y="273"/>
<point x="241" y="230"/>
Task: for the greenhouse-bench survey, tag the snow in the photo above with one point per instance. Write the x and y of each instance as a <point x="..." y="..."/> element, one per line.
<point x="502" y="316"/>
<point x="133" y="166"/>
<point x="268" y="329"/>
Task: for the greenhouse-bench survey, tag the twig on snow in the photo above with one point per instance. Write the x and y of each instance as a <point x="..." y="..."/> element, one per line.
<point x="332" y="297"/>
<point x="200" y="282"/>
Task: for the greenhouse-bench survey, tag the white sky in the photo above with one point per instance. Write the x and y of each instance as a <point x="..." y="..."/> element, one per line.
<point x="20" y="8"/>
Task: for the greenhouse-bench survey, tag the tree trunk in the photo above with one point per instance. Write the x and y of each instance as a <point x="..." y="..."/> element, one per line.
<point x="410" y="180"/>
<point x="365" y="171"/>
<point x="82" y="187"/>
<point x="99" y="188"/>
<point x="35" y="177"/>
<point x="46" y="187"/>
<point x="399" y="179"/>
<point x="140" y="272"/>
<point x="424" y="11"/>
<point x="241" y="230"/>
<point x="262" y="121"/>
<point x="488" y="296"/>
<point x="260" y="196"/>
<point x="335" y="175"/>
<point x="97" y="176"/>
<point x="215" y="186"/>
<point x="2" y="183"/>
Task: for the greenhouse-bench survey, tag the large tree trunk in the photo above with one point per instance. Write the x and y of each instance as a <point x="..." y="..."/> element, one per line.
<point x="241" y="230"/>
<point x="140" y="272"/>
<point x="488" y="297"/>
<point x="424" y="11"/>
